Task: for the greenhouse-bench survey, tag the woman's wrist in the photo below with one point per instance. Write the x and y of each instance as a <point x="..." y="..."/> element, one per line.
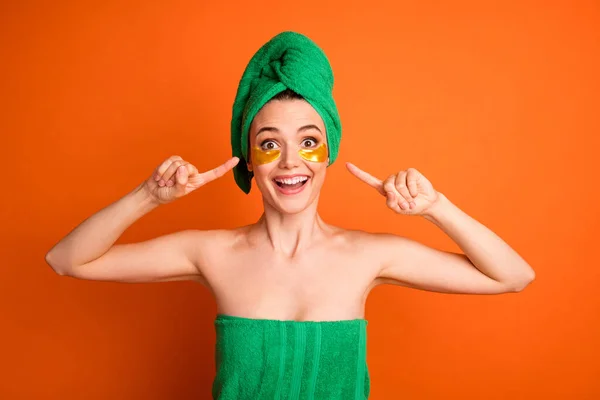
<point x="145" y="201"/>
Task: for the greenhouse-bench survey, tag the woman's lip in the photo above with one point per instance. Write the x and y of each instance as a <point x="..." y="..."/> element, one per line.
<point x="288" y="191"/>
<point x="290" y="176"/>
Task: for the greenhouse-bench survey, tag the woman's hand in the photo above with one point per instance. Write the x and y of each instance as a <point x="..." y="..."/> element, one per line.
<point x="408" y="192"/>
<point x="175" y="178"/>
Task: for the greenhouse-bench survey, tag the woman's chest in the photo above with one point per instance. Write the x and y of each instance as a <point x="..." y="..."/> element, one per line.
<point x="321" y="287"/>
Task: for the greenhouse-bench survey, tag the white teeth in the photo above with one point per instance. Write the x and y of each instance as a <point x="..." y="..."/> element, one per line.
<point x="292" y="181"/>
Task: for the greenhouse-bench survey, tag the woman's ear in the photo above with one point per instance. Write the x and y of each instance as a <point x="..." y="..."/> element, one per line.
<point x="249" y="162"/>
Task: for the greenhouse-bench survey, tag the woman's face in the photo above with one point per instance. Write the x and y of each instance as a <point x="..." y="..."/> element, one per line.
<point x="288" y="154"/>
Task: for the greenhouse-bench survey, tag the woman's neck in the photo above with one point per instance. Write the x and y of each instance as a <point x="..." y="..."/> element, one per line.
<point x="290" y="233"/>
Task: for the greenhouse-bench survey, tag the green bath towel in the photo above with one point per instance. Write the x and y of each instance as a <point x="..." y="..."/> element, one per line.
<point x="263" y="359"/>
<point x="289" y="60"/>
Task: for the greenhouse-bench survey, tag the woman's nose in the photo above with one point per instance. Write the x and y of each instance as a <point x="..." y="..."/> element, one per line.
<point x="289" y="157"/>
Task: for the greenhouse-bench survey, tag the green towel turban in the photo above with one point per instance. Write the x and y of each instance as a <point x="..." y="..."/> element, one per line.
<point x="288" y="61"/>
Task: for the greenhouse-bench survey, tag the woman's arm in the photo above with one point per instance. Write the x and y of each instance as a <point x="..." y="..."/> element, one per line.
<point x="489" y="265"/>
<point x="89" y="252"/>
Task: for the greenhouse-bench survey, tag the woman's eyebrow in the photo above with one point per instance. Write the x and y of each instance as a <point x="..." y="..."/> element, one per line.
<point x="275" y="130"/>
<point x="307" y="127"/>
<point x="267" y="129"/>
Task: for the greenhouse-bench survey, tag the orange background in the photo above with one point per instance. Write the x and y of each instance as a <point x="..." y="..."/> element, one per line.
<point x="496" y="104"/>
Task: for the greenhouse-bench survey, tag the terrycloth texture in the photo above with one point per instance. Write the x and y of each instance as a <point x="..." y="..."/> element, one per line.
<point x="289" y="60"/>
<point x="275" y="359"/>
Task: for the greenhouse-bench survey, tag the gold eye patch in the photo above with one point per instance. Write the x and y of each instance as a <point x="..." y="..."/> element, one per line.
<point x="314" y="155"/>
<point x="261" y="156"/>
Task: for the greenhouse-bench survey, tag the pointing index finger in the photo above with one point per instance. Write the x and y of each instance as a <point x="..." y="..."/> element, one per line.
<point x="366" y="177"/>
<point x="219" y="171"/>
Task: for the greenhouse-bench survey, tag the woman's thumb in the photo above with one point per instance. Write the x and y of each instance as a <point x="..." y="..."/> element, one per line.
<point x="181" y="176"/>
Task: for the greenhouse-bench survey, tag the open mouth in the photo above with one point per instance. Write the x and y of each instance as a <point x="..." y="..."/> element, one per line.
<point x="291" y="183"/>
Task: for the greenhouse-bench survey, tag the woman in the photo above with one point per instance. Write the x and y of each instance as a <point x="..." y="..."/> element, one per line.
<point x="290" y="289"/>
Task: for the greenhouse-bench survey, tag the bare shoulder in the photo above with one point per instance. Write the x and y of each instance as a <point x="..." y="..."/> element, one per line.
<point x="406" y="262"/>
<point x="375" y="250"/>
<point x="361" y="240"/>
<point x="363" y="246"/>
<point x="384" y="248"/>
<point x="209" y="243"/>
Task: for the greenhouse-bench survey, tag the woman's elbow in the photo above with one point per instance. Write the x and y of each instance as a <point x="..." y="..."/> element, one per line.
<point x="524" y="284"/>
<point x="59" y="267"/>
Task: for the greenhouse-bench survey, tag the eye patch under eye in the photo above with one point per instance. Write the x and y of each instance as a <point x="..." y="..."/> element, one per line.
<point x="315" y="155"/>
<point x="261" y="156"/>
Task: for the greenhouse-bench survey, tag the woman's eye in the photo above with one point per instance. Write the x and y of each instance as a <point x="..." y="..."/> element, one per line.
<point x="309" y="142"/>
<point x="268" y="145"/>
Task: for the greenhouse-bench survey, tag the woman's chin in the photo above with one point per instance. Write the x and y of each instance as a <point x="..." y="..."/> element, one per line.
<point x="289" y="201"/>
<point x="289" y="204"/>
